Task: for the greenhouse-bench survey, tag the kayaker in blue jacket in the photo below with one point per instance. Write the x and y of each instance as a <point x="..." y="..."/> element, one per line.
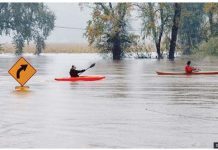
<point x="74" y="72"/>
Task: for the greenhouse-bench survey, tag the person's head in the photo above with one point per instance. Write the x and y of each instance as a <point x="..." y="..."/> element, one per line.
<point x="188" y="63"/>
<point x="73" y="67"/>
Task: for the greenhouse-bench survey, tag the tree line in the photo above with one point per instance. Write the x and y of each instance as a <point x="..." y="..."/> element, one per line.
<point x="170" y="26"/>
<point x="189" y="27"/>
<point x="26" y="22"/>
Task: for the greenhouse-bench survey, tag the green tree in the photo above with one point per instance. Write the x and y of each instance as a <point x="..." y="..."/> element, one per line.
<point x="28" y="22"/>
<point x="107" y="29"/>
<point x="5" y="26"/>
<point x="211" y="10"/>
<point x="210" y="31"/>
<point x="155" y="21"/>
<point x="191" y="26"/>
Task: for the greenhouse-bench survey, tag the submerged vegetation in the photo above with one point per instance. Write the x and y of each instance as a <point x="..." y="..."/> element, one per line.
<point x="209" y="47"/>
<point x="107" y="29"/>
<point x="168" y="26"/>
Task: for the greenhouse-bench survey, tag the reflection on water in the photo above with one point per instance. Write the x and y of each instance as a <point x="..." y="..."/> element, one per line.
<point x="21" y="93"/>
<point x="132" y="108"/>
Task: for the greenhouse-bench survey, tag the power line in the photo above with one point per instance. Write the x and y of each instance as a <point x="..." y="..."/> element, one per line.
<point x="73" y="28"/>
<point x="77" y="28"/>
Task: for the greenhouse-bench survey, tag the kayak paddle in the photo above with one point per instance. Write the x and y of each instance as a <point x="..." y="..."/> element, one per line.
<point x="92" y="65"/>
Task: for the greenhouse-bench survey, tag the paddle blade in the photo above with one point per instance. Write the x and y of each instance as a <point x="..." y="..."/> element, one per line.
<point x="92" y="65"/>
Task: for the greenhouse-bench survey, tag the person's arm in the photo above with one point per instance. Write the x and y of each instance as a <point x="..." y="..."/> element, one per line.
<point x="195" y="69"/>
<point x="80" y="71"/>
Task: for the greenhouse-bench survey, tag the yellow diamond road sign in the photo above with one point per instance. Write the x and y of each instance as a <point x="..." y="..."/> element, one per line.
<point x="22" y="71"/>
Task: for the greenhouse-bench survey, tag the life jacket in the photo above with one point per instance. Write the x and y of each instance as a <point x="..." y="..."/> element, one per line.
<point x="188" y="69"/>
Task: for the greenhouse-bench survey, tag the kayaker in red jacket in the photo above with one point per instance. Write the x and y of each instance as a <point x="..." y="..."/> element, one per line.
<point x="190" y="69"/>
<point x="74" y="72"/>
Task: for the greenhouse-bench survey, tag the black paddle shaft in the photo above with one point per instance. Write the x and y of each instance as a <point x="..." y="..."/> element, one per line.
<point x="92" y="65"/>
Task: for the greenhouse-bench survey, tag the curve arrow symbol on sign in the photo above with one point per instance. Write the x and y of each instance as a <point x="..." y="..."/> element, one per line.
<point x="22" y="68"/>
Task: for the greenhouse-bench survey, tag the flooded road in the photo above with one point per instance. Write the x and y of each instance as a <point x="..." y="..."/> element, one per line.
<point x="132" y="108"/>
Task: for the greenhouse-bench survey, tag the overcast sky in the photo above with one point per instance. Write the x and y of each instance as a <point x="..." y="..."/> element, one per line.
<point x="69" y="15"/>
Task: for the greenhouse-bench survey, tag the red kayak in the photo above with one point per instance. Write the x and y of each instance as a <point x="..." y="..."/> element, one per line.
<point x="183" y="73"/>
<point x="81" y="78"/>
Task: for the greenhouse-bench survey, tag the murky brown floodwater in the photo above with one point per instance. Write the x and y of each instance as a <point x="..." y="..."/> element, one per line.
<point x="132" y="108"/>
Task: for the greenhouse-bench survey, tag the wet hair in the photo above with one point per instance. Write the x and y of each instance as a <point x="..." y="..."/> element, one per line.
<point x="188" y="62"/>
